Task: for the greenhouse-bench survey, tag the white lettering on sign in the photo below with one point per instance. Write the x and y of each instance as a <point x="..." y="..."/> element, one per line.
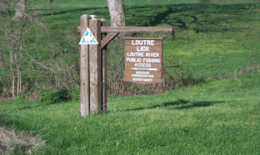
<point x="133" y="59"/>
<point x="143" y="42"/>
<point x="142" y="79"/>
<point x="142" y="48"/>
<point x="140" y="72"/>
<point x="149" y="69"/>
<point x="141" y="75"/>
<point x="152" y="54"/>
<point x="142" y="60"/>
<point x="135" y="54"/>
<point x="143" y="65"/>
<point x="151" y="60"/>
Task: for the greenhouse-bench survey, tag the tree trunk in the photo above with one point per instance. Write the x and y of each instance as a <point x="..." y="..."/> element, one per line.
<point x="12" y="72"/>
<point x="1" y="59"/>
<point x="13" y="85"/>
<point x="20" y="12"/>
<point x="19" y="80"/>
<point x="117" y="15"/>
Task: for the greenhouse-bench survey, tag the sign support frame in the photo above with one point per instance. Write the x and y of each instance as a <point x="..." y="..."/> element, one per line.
<point x="93" y="60"/>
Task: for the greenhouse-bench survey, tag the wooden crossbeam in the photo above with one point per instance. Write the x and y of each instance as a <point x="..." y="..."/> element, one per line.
<point x="130" y="29"/>
<point x="107" y="39"/>
<point x="137" y="29"/>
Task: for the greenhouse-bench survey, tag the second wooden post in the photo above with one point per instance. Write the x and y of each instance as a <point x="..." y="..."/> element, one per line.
<point x="95" y="68"/>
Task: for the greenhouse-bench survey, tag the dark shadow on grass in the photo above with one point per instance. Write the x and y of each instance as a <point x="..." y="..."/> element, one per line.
<point x="200" y="17"/>
<point x="69" y="11"/>
<point x="162" y="16"/>
<point x="30" y="107"/>
<point x="40" y="105"/>
<point x="198" y="104"/>
<point x="180" y="102"/>
<point x="165" y="104"/>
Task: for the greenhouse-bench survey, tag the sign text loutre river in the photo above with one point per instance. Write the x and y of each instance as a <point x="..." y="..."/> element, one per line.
<point x="143" y="60"/>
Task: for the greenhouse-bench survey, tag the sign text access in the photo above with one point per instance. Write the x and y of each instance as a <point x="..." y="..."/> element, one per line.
<point x="143" y="60"/>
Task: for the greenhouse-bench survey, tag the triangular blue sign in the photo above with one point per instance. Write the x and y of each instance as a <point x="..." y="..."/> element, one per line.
<point x="88" y="38"/>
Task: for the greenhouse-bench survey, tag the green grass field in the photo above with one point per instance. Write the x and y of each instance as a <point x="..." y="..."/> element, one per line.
<point x="220" y="117"/>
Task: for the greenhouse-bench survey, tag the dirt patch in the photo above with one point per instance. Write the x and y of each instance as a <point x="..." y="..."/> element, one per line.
<point x="12" y="142"/>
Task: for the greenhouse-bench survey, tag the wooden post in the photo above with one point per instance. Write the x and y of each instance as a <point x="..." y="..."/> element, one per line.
<point x="181" y="74"/>
<point x="219" y="73"/>
<point x="250" y="62"/>
<point x="95" y="66"/>
<point x="250" y="59"/>
<point x="2" y="64"/>
<point x="84" y="68"/>
<point x="104" y="69"/>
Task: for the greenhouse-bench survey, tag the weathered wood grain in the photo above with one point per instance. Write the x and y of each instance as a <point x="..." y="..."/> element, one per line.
<point x="104" y="66"/>
<point x="135" y="29"/>
<point x="108" y="38"/>
<point x="95" y="67"/>
<point x="84" y="68"/>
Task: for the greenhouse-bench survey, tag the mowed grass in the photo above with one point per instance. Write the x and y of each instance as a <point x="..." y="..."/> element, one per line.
<point x="220" y="117"/>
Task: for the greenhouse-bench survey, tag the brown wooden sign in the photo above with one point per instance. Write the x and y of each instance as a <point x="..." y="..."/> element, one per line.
<point x="143" y="60"/>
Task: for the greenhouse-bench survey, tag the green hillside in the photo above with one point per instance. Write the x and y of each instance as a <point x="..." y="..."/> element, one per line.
<point x="203" y="32"/>
<point x="215" y="116"/>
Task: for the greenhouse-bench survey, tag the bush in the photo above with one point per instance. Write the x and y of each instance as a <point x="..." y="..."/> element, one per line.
<point x="75" y="94"/>
<point x="54" y="96"/>
<point x="205" y="1"/>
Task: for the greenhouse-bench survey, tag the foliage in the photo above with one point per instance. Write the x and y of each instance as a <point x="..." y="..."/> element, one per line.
<point x="140" y="89"/>
<point x="205" y="1"/>
<point x="75" y="94"/>
<point x="54" y="96"/>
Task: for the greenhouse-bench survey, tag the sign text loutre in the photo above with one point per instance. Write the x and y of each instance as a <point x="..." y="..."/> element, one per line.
<point x="143" y="60"/>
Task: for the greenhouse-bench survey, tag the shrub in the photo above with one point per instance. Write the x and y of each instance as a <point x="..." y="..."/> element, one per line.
<point x="205" y="1"/>
<point x="54" y="96"/>
<point x="75" y="94"/>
